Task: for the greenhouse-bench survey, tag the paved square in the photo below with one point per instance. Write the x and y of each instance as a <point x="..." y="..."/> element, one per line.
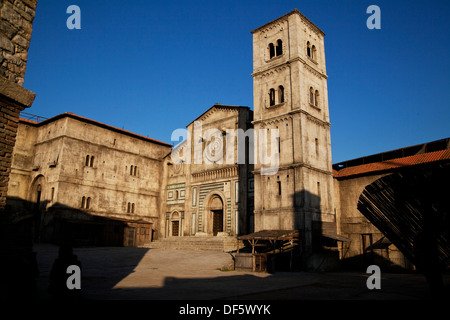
<point x="156" y="274"/>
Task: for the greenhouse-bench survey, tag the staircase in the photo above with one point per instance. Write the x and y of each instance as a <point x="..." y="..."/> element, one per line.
<point x="203" y="243"/>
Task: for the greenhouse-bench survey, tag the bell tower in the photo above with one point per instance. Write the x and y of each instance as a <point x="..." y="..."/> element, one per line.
<point x="290" y="94"/>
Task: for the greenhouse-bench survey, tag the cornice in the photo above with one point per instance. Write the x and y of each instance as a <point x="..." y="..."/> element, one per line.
<point x="215" y="174"/>
<point x="314" y="71"/>
<point x="285" y="17"/>
<point x="289" y="115"/>
<point x="216" y="107"/>
<point x="298" y="165"/>
<point x="281" y="118"/>
<point x="283" y="65"/>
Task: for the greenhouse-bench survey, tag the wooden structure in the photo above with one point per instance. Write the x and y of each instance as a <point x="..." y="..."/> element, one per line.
<point x="411" y="208"/>
<point x="137" y="233"/>
<point x="266" y="245"/>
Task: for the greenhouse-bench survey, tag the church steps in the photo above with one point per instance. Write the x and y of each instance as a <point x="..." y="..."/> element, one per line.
<point x="203" y="243"/>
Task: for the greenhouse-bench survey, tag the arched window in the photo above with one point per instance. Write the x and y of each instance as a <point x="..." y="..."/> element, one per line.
<point x="87" y="161"/>
<point x="271" y="97"/>
<point x="308" y="49"/>
<point x="83" y="202"/>
<point x="317" y="147"/>
<point x="281" y="94"/>
<point x="279" y="48"/>
<point x="129" y="207"/>
<point x="88" y="203"/>
<point x="313" y="53"/>
<point x="271" y="51"/>
<point x="311" y="95"/>
<point x="132" y="208"/>
<point x="316" y="98"/>
<point x="135" y="170"/>
<point x="91" y="164"/>
<point x="131" y="170"/>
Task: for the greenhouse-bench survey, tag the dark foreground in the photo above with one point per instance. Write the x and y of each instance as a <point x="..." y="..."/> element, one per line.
<point x="115" y="273"/>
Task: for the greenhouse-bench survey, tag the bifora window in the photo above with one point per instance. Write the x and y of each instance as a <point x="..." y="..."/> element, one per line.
<point x="313" y="97"/>
<point x="85" y="202"/>
<point x="276" y="96"/>
<point x="311" y="51"/>
<point x="275" y="50"/>
<point x="89" y="161"/>
<point x="130" y="207"/>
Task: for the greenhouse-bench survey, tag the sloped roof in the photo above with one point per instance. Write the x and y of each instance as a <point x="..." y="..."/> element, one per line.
<point x="295" y="11"/>
<point x="271" y="235"/>
<point x="218" y="106"/>
<point x="90" y="121"/>
<point x="393" y="163"/>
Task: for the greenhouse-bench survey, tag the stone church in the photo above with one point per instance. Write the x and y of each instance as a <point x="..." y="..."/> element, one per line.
<point x="98" y="184"/>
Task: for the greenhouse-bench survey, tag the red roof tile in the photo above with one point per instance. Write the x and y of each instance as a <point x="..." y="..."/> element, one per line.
<point x="28" y="121"/>
<point x="393" y="163"/>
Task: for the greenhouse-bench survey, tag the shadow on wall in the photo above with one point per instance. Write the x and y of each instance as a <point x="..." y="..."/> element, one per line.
<point x="319" y="245"/>
<point x="316" y="248"/>
<point x="25" y="223"/>
<point x="63" y="224"/>
<point x="412" y="209"/>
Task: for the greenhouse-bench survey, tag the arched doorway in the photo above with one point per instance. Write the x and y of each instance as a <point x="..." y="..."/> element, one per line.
<point x="216" y="214"/>
<point x="38" y="203"/>
<point x="175" y="224"/>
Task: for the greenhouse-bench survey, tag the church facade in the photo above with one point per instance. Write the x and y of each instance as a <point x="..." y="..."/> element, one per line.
<point x="206" y="190"/>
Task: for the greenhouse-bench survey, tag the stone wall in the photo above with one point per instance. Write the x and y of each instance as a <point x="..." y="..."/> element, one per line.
<point x="15" y="35"/>
<point x="16" y="18"/>
<point x="352" y="224"/>
<point x="18" y="260"/>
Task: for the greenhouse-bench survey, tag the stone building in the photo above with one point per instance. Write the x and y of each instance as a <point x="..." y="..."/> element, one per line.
<point x="207" y="191"/>
<point x="236" y="172"/>
<point x="290" y="95"/>
<point x="73" y="170"/>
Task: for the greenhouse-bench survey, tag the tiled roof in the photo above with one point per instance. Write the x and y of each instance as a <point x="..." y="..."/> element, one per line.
<point x="393" y="163"/>
<point x="28" y="121"/>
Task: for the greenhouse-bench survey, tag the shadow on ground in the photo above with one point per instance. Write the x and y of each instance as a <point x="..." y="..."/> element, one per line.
<point x="118" y="273"/>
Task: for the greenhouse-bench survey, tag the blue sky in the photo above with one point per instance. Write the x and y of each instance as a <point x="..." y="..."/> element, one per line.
<point x="153" y="66"/>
